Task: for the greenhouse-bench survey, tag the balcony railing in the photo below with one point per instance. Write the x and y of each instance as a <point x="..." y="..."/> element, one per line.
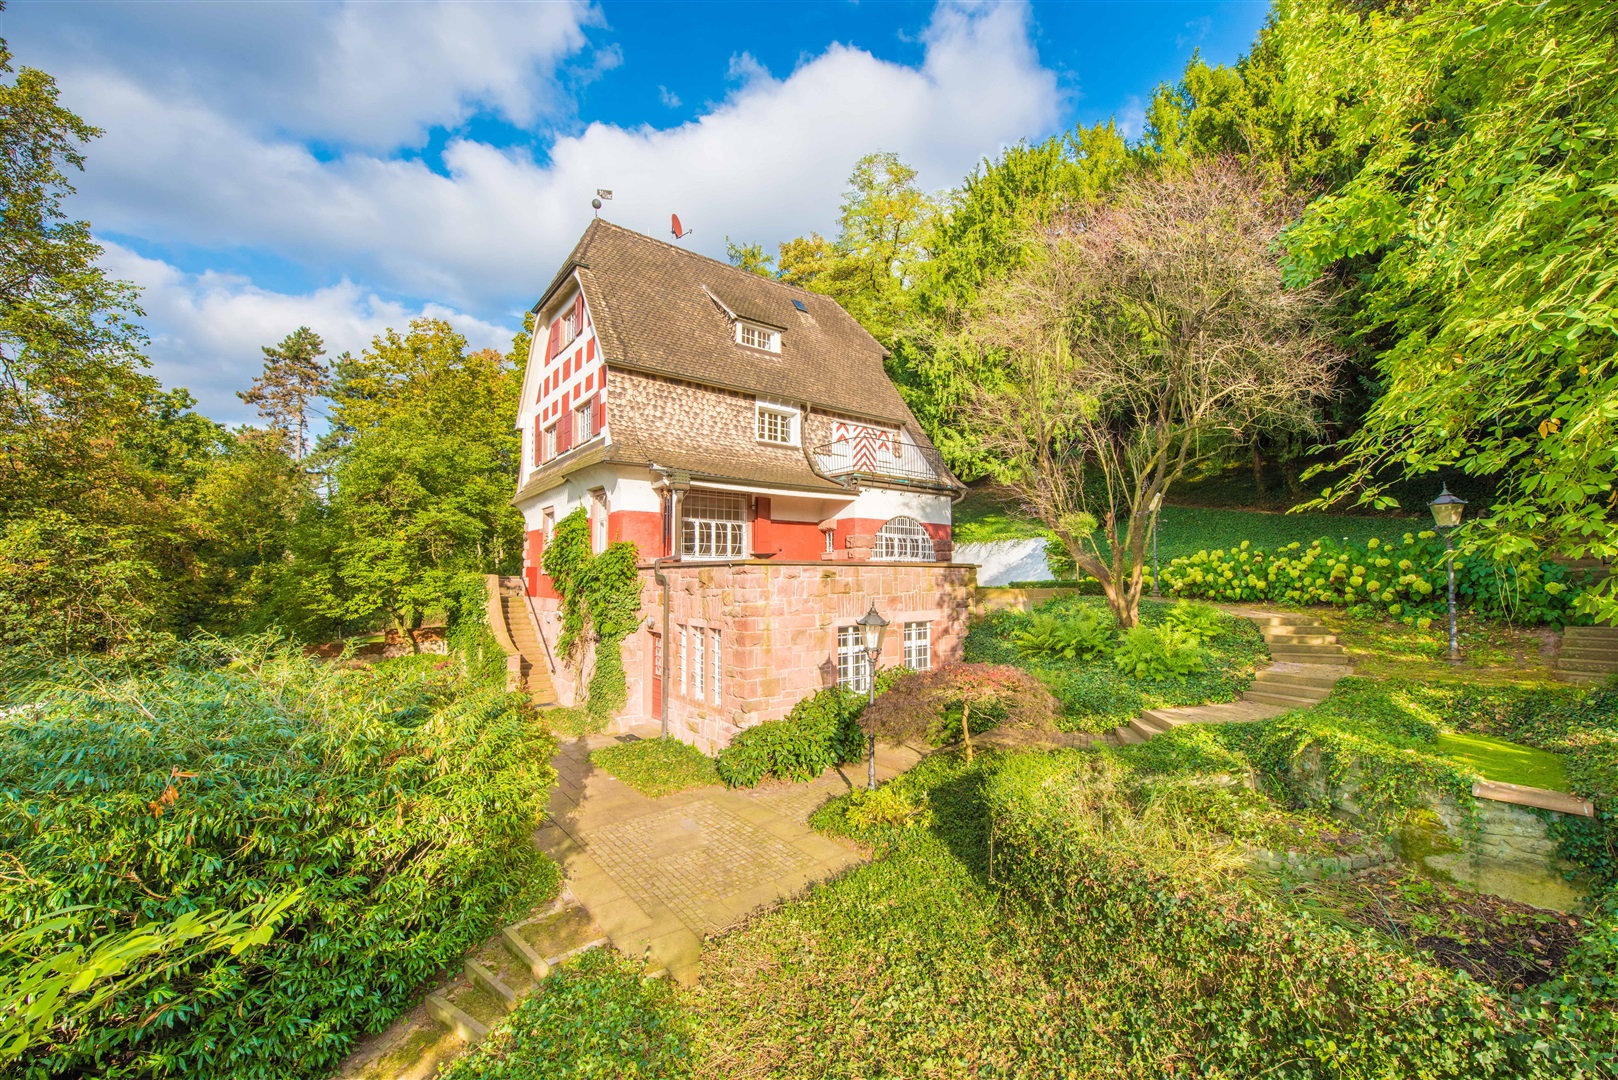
<point x="880" y="459"/>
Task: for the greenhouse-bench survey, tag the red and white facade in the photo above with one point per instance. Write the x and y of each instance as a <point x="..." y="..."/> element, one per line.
<point x="774" y="519"/>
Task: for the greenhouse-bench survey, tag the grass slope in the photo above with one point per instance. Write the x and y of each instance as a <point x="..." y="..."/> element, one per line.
<point x="1502" y="761"/>
<point x="657" y="767"/>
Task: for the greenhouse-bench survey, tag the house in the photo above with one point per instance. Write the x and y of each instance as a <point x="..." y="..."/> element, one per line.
<point x="744" y="435"/>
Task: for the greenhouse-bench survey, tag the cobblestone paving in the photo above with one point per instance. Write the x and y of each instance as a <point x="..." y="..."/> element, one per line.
<point x="799" y="801"/>
<point x="690" y="855"/>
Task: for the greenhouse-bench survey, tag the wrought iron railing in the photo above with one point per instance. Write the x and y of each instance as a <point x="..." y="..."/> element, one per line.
<point x="880" y="459"/>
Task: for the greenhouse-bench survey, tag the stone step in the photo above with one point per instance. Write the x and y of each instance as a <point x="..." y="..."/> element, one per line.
<point x="1285" y="620"/>
<point x="1592" y="667"/>
<point x="1331" y="655"/>
<point x="1300" y="639"/>
<point x="491" y="983"/>
<point x="1590" y="652"/>
<point x="1591" y="633"/>
<point x="1128" y="736"/>
<point x="1288" y="701"/>
<point x="1579" y="678"/>
<point x="470" y="1030"/>
<point x="1147" y="726"/>
<point x="1322" y="681"/>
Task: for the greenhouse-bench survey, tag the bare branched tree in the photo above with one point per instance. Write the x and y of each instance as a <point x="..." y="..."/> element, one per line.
<point x="1144" y="336"/>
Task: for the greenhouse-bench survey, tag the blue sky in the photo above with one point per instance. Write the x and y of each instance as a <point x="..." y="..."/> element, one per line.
<point x="351" y="166"/>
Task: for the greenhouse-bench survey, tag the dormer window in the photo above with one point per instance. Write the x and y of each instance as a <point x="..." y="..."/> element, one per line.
<point x="570" y="326"/>
<point x="758" y="337"/>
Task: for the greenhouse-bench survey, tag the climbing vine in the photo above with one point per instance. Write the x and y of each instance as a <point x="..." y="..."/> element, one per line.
<point x="600" y="602"/>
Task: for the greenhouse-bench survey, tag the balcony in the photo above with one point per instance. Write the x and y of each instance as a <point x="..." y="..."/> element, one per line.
<point x="877" y="459"/>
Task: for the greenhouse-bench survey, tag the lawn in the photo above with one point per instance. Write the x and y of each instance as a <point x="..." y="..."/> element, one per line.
<point x="988" y="514"/>
<point x="1502" y="761"/>
<point x="657" y="767"/>
<point x="1095" y="695"/>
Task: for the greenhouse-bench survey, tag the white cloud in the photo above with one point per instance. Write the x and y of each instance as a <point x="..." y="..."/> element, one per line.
<point x="767" y="163"/>
<point x="668" y="97"/>
<point x="370" y="75"/>
<point x="1131" y="118"/>
<point x="208" y="329"/>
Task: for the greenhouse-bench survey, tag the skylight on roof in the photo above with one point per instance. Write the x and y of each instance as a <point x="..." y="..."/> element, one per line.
<point x="800" y="306"/>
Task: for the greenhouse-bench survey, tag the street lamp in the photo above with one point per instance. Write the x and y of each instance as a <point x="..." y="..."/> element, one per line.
<point x="872" y="628"/>
<point x="1157" y="501"/>
<point x="1447" y="511"/>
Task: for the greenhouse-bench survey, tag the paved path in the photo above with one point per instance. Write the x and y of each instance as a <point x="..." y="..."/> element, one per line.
<point x="660" y="874"/>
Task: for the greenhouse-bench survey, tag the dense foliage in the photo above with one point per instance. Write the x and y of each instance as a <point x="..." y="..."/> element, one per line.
<point x="931" y="705"/>
<point x="1097" y="695"/>
<point x="394" y="803"/>
<point x="600" y="605"/>
<point x="821" y="731"/>
<point x="1407" y="580"/>
<point x="596" y="1018"/>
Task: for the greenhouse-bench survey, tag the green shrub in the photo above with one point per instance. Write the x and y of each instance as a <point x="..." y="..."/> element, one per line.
<point x="1204" y="622"/>
<point x="820" y="732"/>
<point x="1407" y="580"/>
<point x="657" y="767"/>
<point x="595" y="1017"/>
<point x="396" y="802"/>
<point x="1084" y="636"/>
<point x="1158" y="652"/>
<point x="886" y="806"/>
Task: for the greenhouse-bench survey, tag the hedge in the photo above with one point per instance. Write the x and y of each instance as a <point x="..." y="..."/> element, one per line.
<point x="395" y="803"/>
<point x="821" y="731"/>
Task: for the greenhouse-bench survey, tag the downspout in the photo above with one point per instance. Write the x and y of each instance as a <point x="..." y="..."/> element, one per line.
<point x="663" y="681"/>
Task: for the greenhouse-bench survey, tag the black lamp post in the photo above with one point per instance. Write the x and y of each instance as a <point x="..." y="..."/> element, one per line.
<point x="1447" y="510"/>
<point x="872" y="629"/>
<point x="1157" y="501"/>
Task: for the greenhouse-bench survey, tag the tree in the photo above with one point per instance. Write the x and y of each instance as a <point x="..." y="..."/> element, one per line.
<point x="423" y="460"/>
<point x="1481" y="223"/>
<point x="749" y="257"/>
<point x="293" y="377"/>
<point x="1142" y="336"/>
<point x="915" y="704"/>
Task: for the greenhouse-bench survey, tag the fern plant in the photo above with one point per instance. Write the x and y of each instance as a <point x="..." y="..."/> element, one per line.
<point x="1085" y="636"/>
<point x="1157" y="652"/>
<point x="1204" y="622"/>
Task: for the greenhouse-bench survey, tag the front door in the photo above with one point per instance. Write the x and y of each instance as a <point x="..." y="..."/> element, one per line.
<point x="657" y="676"/>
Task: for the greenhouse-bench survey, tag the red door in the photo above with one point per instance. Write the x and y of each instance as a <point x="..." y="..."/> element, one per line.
<point x="657" y="676"/>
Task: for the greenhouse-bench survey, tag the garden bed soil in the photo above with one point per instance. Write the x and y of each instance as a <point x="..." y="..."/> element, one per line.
<point x="1501" y="942"/>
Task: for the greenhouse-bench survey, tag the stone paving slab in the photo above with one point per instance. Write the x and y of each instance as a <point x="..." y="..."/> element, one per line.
<point x="658" y="875"/>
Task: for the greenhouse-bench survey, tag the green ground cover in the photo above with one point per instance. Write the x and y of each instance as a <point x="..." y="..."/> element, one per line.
<point x="657" y="767"/>
<point x="1095" y="695"/>
<point x="1506" y="762"/>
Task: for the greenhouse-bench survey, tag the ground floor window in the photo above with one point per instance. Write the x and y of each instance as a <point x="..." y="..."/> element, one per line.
<point x="918" y="645"/>
<point x="714" y="652"/>
<point x="714" y="525"/>
<point x="853" y="665"/>
<point x="682" y="660"/>
<point x="699" y="641"/>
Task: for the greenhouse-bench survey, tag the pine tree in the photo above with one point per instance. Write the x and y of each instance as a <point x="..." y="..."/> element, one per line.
<point x="293" y="378"/>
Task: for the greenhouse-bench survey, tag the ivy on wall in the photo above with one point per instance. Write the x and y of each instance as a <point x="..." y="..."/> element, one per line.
<point x="600" y="602"/>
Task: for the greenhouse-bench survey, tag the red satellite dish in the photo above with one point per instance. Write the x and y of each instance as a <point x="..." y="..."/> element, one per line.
<point x="679" y="233"/>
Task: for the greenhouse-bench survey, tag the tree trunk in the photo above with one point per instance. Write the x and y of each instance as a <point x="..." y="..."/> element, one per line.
<point x="966" y="732"/>
<point x="1258" y="473"/>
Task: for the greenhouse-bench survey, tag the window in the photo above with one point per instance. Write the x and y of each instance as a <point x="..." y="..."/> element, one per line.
<point x="714" y="653"/>
<point x="585" y="423"/>
<point x="550" y="443"/>
<point x="918" y="645"/>
<point x="714" y="525"/>
<point x="550" y="523"/>
<point x="853" y="665"/>
<point x="777" y="424"/>
<point x="829" y="541"/>
<point x="682" y="659"/>
<point x="570" y="325"/>
<point x="699" y="639"/>
<point x="600" y="514"/>
<point x="904" y="540"/>
<point x="758" y="337"/>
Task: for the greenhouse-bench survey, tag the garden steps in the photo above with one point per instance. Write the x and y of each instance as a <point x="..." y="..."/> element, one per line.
<point x="534" y="661"/>
<point x="1589" y="654"/>
<point x="1308" y="662"/>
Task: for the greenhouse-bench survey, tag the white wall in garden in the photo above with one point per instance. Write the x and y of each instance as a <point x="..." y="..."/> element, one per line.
<point x="1000" y="562"/>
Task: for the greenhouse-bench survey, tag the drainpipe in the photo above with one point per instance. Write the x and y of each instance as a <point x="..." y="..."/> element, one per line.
<point x="663" y="682"/>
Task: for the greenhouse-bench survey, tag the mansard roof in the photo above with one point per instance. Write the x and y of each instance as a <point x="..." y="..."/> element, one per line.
<point x="663" y="310"/>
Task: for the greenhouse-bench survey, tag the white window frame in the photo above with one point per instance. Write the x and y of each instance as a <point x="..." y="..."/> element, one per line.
<point x="570" y="325"/>
<point x="699" y="662"/>
<point x="550" y="442"/>
<point x="682" y="659"/>
<point x="918" y="646"/>
<point x="853" y="662"/>
<point x="904" y="539"/>
<point x="713" y="525"/>
<point x="782" y="418"/>
<point x="714" y="655"/>
<point x="758" y="337"/>
<point x="584" y="421"/>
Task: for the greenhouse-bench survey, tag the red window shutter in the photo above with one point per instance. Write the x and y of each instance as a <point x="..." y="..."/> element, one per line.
<point x="578" y="314"/>
<point x="602" y="381"/>
<point x="539" y="441"/>
<point x="564" y="433"/>
<point x="554" y="342"/>
<point x="590" y="350"/>
<point x="598" y="414"/>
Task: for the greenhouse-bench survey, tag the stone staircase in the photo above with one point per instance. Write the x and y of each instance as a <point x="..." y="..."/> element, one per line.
<point x="1589" y="654"/>
<point x="535" y="661"/>
<point x="1308" y="661"/>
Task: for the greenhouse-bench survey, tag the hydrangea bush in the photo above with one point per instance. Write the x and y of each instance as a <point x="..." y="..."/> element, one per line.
<point x="1405" y="579"/>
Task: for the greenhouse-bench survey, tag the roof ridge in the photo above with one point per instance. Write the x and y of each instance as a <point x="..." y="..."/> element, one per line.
<point x="725" y="266"/>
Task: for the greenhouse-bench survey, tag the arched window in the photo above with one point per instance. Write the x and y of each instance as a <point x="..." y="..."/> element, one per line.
<point x="903" y="539"/>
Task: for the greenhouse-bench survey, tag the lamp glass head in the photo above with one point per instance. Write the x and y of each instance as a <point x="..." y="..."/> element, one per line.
<point x="872" y="627"/>
<point x="1447" y="509"/>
